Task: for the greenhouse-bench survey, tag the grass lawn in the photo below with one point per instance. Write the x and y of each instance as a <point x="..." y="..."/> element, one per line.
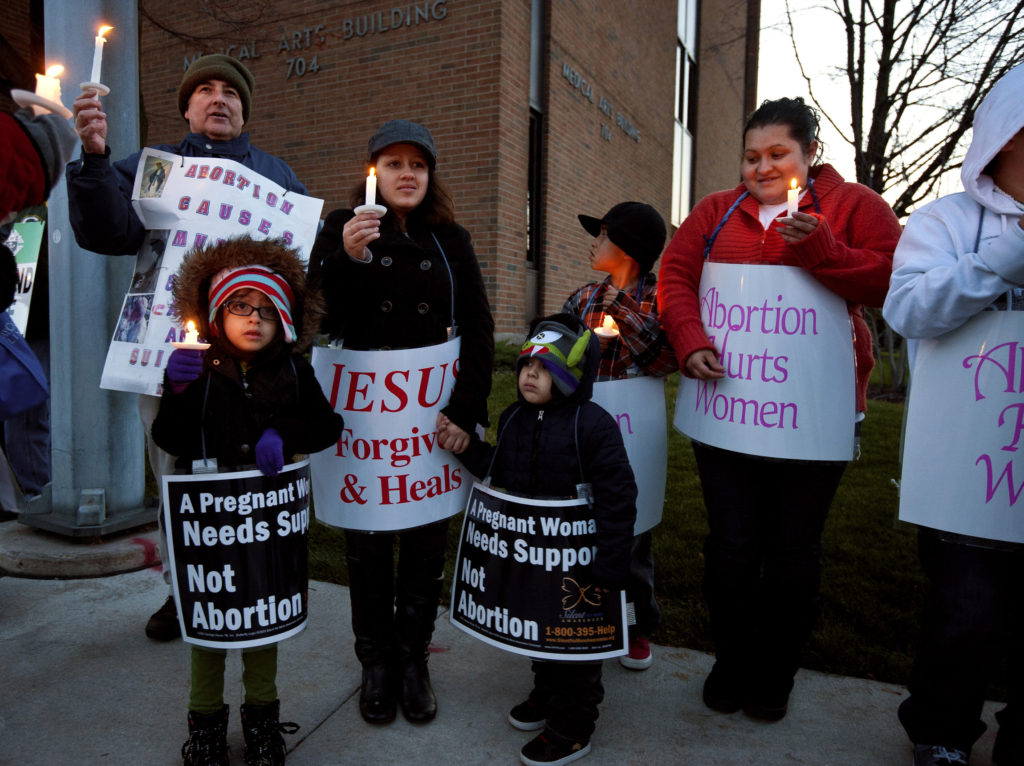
<point x="872" y="589"/>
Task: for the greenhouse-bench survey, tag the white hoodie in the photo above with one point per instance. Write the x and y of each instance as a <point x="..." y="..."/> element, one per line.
<point x="943" y="271"/>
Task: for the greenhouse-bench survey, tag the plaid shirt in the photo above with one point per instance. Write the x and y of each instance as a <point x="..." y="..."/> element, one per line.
<point x="641" y="348"/>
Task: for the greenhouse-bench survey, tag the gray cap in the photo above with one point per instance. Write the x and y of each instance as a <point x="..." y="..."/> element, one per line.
<point x="402" y="132"/>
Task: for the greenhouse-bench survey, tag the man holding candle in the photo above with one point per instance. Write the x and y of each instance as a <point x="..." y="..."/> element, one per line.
<point x="215" y="99"/>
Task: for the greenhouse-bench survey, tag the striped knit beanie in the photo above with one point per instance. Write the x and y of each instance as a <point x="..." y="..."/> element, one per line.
<point x="271" y="284"/>
<point x="560" y="349"/>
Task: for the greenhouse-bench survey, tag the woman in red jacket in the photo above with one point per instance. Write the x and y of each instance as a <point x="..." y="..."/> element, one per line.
<point x="763" y="552"/>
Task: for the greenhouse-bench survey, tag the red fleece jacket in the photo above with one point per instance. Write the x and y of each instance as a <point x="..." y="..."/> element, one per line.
<point x="850" y="252"/>
<point x="24" y="182"/>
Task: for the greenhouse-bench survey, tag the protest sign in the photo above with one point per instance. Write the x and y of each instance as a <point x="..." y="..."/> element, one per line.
<point x="386" y="472"/>
<point x="965" y="430"/>
<point x="187" y="203"/>
<point x="523" y="579"/>
<point x="24" y="241"/>
<point x="786" y="344"/>
<point x="238" y="548"/>
<point x="638" y="406"/>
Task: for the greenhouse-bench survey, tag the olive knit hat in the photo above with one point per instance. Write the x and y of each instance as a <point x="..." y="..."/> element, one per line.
<point x="217" y="66"/>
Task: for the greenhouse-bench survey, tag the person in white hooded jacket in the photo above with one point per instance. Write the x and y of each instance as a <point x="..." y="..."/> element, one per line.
<point x="958" y="256"/>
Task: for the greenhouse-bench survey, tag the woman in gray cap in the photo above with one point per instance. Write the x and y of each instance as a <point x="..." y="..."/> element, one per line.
<point x="407" y="279"/>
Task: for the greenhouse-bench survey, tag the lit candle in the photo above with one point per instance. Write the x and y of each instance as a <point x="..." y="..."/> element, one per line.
<point x="792" y="198"/>
<point x="191" y="340"/>
<point x="608" y="328"/>
<point x="48" y="85"/>
<point x="97" y="56"/>
<point x="371" y="188"/>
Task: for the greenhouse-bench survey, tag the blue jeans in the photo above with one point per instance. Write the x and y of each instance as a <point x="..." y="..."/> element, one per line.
<point x="27" y="435"/>
<point x="973" y="616"/>
<point x="762" y="561"/>
<point x="640" y="585"/>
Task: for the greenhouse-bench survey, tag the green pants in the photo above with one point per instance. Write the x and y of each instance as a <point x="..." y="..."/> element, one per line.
<point x="259" y="677"/>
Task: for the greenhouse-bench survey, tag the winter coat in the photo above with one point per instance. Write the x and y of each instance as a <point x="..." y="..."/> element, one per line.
<point x="850" y="253"/>
<point x="641" y="348"/>
<point x="964" y="253"/>
<point x="100" y="193"/>
<point x="230" y="406"/>
<point x="546" y="450"/>
<point x="403" y="298"/>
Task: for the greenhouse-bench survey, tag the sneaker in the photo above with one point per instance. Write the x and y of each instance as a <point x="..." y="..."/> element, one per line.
<point x="938" y="755"/>
<point x="163" y="625"/>
<point x="527" y="717"/>
<point x="639" y="657"/>
<point x="544" y="750"/>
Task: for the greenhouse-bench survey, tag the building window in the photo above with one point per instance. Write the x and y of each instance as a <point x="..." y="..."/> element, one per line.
<point x="685" y="117"/>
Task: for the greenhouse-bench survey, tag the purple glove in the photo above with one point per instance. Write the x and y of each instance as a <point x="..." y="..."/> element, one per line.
<point x="270" y="453"/>
<point x="183" y="366"/>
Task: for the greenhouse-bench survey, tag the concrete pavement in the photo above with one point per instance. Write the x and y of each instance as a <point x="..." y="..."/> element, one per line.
<point x="82" y="684"/>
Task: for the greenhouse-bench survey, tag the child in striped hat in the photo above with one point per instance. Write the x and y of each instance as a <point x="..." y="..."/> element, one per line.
<point x="250" y="400"/>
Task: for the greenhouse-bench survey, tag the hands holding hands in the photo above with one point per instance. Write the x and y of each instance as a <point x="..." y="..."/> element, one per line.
<point x="450" y="436"/>
<point x="359" y="232"/>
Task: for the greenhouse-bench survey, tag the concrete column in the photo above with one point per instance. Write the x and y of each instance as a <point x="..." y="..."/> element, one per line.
<point x="98" y="464"/>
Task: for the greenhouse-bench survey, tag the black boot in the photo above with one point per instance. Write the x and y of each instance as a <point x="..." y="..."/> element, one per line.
<point x="371" y="591"/>
<point x="419" y="705"/>
<point x="377" y="703"/>
<point x="163" y="623"/>
<point x="207" y="743"/>
<point x="264" y="745"/>
<point x="420" y="578"/>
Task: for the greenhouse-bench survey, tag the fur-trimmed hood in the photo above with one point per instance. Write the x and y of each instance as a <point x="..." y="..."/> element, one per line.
<point x="192" y="282"/>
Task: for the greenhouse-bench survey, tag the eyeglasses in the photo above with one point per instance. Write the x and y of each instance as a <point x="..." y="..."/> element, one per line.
<point x="243" y="309"/>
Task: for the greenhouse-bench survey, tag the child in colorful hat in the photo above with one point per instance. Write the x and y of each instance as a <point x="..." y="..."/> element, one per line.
<point x="250" y="400"/>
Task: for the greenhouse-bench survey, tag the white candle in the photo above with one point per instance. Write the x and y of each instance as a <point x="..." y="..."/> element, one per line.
<point x="97" y="55"/>
<point x="608" y="328"/>
<point x="792" y="198"/>
<point x="191" y="334"/>
<point x="371" y="188"/>
<point x="48" y="85"/>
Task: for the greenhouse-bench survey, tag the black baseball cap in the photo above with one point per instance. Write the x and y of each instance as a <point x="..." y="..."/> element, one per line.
<point x="636" y="227"/>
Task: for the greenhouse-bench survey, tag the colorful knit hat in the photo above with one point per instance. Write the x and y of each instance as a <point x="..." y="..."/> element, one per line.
<point x="560" y="349"/>
<point x="271" y="284"/>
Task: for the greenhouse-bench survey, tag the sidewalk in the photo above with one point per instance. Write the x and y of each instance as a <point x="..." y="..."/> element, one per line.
<point x="83" y="685"/>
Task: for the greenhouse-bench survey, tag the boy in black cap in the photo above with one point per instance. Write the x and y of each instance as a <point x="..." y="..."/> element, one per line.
<point x="627" y="242"/>
<point x="552" y="440"/>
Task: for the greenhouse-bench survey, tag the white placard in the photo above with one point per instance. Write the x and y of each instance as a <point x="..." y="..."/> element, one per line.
<point x="638" y="406"/>
<point x="387" y="472"/>
<point x="786" y="343"/>
<point x="185" y="203"/>
<point x="965" y="430"/>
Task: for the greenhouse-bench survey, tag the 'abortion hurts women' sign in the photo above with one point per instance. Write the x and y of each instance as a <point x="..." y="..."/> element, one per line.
<point x="785" y="342"/>
<point x="187" y="203"/>
<point x="523" y="583"/>
<point x="965" y="431"/>
<point x="387" y="472"/>
<point x="238" y="544"/>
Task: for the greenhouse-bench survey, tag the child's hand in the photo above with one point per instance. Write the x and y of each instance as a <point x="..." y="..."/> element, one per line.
<point x="450" y="436"/>
<point x="270" y="453"/>
<point x="609" y="296"/>
<point x="183" y="366"/>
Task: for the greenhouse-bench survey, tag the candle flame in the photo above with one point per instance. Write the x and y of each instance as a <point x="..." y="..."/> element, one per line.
<point x="792" y="184"/>
<point x="373" y="172"/>
<point x="190" y="326"/>
<point x="103" y="30"/>
<point x="609" y="324"/>
<point x="54" y="70"/>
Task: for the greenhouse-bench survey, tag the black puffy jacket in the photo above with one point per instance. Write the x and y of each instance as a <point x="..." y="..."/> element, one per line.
<point x="546" y="451"/>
